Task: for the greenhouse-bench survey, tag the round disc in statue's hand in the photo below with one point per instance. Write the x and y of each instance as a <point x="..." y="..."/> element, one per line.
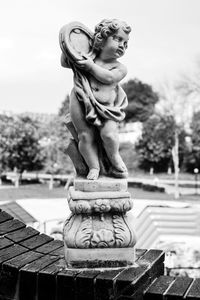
<point x="76" y="41"/>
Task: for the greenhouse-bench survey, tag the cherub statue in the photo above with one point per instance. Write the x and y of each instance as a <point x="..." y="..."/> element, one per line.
<point x="97" y="102"/>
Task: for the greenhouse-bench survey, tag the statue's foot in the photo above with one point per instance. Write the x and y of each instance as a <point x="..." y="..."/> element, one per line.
<point x="118" y="164"/>
<point x="118" y="174"/>
<point x="93" y="174"/>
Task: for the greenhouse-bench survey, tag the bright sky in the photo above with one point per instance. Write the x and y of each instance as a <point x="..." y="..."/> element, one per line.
<point x="164" y="42"/>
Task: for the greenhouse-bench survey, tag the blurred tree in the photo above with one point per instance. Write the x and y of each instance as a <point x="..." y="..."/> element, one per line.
<point x="175" y="102"/>
<point x="141" y="100"/>
<point x="195" y="126"/>
<point x="5" y="123"/>
<point x="129" y="155"/>
<point x="190" y="84"/>
<point x="55" y="142"/>
<point x="192" y="153"/>
<point x="19" y="144"/>
<point x="156" y="143"/>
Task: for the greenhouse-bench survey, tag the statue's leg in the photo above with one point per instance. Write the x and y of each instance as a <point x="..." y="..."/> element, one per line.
<point x="86" y="136"/>
<point x="110" y="138"/>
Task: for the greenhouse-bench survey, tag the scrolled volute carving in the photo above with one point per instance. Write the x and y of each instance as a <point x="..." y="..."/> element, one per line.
<point x="84" y="233"/>
<point x="80" y="207"/>
<point x="123" y="236"/>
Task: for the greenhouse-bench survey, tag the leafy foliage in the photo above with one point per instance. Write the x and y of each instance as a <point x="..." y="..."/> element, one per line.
<point x="142" y="100"/>
<point x="192" y="154"/>
<point x="19" y="144"/>
<point x="129" y="155"/>
<point x="190" y="85"/>
<point x="155" y="146"/>
<point x="55" y="142"/>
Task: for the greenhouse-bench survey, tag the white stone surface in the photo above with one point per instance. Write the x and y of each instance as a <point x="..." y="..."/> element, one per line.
<point x="79" y="195"/>
<point x="106" y="254"/>
<point x="102" y="184"/>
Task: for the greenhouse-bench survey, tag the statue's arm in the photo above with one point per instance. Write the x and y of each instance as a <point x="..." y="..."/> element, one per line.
<point x="105" y="76"/>
<point x="116" y="74"/>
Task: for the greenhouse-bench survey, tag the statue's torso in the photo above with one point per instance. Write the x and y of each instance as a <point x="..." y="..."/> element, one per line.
<point x="104" y="93"/>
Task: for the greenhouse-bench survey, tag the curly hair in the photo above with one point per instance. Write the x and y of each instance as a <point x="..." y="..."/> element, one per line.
<point x="106" y="28"/>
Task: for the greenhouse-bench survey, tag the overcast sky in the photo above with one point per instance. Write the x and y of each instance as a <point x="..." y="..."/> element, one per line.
<point x="165" y="40"/>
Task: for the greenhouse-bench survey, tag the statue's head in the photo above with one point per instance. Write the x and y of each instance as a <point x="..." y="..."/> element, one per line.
<point x="106" y="28"/>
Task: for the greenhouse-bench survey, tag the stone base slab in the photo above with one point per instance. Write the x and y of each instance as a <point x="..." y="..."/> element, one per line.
<point x="79" y="195"/>
<point x="103" y="183"/>
<point x="99" y="258"/>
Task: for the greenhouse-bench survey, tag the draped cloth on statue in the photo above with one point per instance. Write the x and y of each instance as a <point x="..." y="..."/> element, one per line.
<point x="96" y="112"/>
<point x="75" y="38"/>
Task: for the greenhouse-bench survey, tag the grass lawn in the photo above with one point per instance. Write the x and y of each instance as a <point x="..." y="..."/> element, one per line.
<point x="41" y="191"/>
<point x="141" y="194"/>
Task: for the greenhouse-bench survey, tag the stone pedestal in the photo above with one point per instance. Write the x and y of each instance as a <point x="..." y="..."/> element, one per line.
<point x="99" y="232"/>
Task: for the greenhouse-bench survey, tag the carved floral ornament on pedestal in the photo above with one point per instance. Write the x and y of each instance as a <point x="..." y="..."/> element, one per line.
<point x="99" y="222"/>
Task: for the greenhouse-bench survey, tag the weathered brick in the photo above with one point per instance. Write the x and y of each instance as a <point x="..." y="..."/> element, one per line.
<point x="4" y="216"/>
<point x="66" y="284"/>
<point x="157" y="289"/>
<point x="22" y="234"/>
<point x="47" y="281"/>
<point x="10" y="252"/>
<point x="178" y="288"/>
<point x="85" y="282"/>
<point x="4" y="242"/>
<point x="194" y="290"/>
<point x="28" y="276"/>
<point x="49" y="247"/>
<point x="105" y="282"/>
<point x="142" y="273"/>
<point x="10" y="273"/>
<point x="36" y="241"/>
<point x="11" y="225"/>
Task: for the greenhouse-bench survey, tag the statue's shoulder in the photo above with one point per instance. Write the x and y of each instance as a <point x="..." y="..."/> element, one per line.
<point x="119" y="66"/>
<point x="76" y="41"/>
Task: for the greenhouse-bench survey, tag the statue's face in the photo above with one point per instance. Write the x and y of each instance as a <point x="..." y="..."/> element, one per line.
<point x="115" y="45"/>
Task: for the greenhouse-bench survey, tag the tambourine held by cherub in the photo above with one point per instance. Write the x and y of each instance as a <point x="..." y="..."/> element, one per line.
<point x="76" y="41"/>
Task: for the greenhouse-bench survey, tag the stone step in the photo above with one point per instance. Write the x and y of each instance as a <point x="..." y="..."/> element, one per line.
<point x="103" y="183"/>
<point x="80" y="195"/>
<point x="100" y="258"/>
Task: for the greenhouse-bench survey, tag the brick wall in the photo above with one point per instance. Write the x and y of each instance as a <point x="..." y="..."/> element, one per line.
<point x="32" y="267"/>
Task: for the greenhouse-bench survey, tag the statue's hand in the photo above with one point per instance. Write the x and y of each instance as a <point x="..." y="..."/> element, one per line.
<point x="85" y="64"/>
